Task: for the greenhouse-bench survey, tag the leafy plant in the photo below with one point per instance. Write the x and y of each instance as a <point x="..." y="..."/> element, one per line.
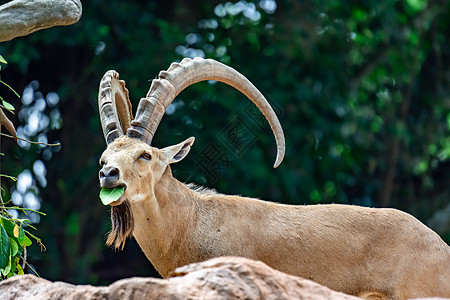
<point x="13" y="242"/>
<point x="13" y="237"/>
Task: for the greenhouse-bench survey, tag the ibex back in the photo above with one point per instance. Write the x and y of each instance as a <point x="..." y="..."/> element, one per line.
<point x="373" y="253"/>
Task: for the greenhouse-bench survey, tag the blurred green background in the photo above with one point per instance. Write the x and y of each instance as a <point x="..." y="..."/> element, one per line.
<point x="361" y="89"/>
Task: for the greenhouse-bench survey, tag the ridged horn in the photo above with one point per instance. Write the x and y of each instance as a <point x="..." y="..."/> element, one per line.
<point x="181" y="75"/>
<point x="114" y="106"/>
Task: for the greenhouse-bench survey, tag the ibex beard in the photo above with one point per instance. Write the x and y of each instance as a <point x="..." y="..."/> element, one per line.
<point x="122" y="224"/>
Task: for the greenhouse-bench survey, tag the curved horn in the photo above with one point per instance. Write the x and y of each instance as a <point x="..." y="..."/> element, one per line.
<point x="181" y="75"/>
<point x="114" y="106"/>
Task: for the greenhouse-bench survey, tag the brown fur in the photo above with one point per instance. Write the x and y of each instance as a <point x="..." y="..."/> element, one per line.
<point x="374" y="253"/>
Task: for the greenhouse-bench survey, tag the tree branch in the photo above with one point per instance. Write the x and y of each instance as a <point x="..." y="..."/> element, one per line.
<point x="4" y="121"/>
<point x="22" y="17"/>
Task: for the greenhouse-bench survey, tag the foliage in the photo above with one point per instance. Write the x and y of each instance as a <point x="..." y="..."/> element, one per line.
<point x="13" y="236"/>
<point x="361" y="89"/>
<point x="13" y="243"/>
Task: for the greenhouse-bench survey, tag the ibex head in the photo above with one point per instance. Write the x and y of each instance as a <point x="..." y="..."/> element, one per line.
<point x="129" y="162"/>
<point x="135" y="166"/>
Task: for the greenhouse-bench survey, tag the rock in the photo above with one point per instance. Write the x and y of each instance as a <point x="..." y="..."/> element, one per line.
<point x="218" y="278"/>
<point x="22" y="17"/>
<point x="242" y="278"/>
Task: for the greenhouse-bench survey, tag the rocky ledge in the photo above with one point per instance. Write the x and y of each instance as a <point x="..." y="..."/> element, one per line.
<point x="219" y="278"/>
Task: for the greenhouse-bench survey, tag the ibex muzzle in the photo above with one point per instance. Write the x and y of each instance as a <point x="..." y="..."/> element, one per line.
<point x="109" y="177"/>
<point x="373" y="253"/>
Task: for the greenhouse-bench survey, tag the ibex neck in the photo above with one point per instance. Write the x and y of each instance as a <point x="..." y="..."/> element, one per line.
<point x="161" y="223"/>
<point x="170" y="191"/>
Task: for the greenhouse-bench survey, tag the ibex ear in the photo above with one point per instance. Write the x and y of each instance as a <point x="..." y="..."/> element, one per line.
<point x="177" y="152"/>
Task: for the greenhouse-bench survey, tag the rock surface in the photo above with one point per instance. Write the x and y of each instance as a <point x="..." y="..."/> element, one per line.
<point x="22" y="17"/>
<point x="219" y="278"/>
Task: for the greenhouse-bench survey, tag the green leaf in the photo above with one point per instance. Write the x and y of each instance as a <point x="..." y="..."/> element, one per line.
<point x="19" y="270"/>
<point x="108" y="195"/>
<point x="7" y="269"/>
<point x="2" y="60"/>
<point x="4" y="248"/>
<point x="14" y="247"/>
<point x="8" y="105"/>
<point x="21" y="236"/>
<point x="14" y="263"/>
<point x="26" y="241"/>
<point x="8" y="225"/>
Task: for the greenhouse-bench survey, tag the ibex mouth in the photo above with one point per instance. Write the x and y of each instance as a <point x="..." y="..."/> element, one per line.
<point x="118" y="202"/>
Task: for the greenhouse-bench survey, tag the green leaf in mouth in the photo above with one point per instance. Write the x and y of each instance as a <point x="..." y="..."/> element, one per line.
<point x="108" y="195"/>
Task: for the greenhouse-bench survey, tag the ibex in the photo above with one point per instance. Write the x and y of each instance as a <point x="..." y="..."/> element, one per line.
<point x="372" y="253"/>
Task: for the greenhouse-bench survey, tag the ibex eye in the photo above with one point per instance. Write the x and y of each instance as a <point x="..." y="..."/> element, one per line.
<point x="145" y="156"/>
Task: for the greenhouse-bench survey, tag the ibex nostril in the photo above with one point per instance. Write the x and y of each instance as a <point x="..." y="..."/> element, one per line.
<point x="114" y="172"/>
<point x="111" y="173"/>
